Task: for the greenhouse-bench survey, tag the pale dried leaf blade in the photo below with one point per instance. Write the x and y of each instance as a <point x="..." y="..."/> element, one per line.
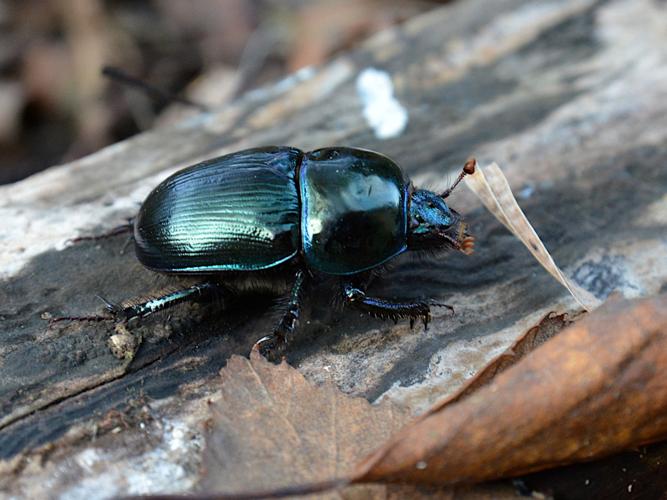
<point x="479" y="185"/>
<point x="526" y="233"/>
<point x="493" y="190"/>
<point x="594" y="389"/>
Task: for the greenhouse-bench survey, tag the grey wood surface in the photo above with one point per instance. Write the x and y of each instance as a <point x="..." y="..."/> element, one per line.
<point x="568" y="96"/>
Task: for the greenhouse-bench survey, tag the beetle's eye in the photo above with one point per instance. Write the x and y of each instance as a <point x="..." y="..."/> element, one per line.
<point x="419" y="218"/>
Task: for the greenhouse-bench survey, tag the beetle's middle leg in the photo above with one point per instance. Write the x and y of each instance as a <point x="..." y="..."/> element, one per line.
<point x="381" y="308"/>
<point x="274" y="344"/>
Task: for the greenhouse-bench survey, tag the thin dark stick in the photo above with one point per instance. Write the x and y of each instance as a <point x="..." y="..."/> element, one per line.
<point x="154" y="92"/>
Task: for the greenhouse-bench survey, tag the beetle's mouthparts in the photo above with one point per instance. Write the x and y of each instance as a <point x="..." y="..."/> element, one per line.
<point x="468" y="245"/>
<point x="465" y="241"/>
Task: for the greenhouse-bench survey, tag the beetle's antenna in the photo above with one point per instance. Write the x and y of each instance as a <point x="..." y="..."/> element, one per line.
<point x="156" y="93"/>
<point x="468" y="169"/>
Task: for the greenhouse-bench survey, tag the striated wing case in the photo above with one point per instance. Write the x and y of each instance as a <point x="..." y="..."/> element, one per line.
<point x="235" y="212"/>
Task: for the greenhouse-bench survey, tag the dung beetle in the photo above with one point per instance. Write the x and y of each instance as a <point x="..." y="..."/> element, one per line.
<point x="277" y="218"/>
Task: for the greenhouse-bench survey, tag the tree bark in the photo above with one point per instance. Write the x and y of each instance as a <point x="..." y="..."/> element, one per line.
<point x="568" y="96"/>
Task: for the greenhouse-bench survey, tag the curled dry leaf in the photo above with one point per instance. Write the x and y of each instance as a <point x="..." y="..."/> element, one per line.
<point x="596" y="388"/>
<point x="493" y="190"/>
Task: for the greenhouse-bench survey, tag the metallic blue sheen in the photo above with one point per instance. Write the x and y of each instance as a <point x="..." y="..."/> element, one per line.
<point x="238" y="212"/>
<point x="428" y="211"/>
<point x="353" y="210"/>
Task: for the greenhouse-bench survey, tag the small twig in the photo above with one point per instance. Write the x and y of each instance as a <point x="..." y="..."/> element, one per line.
<point x="154" y="92"/>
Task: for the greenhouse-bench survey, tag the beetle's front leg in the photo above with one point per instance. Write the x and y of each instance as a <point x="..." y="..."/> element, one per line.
<point x="274" y="345"/>
<point x="385" y="309"/>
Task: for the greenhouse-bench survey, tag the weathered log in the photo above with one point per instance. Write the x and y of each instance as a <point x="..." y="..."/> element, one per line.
<point x="568" y="96"/>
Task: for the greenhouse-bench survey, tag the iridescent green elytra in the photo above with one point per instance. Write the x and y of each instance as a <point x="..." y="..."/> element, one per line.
<point x="344" y="210"/>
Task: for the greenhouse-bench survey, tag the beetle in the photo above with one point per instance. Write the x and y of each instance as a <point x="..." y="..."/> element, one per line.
<point x="280" y="219"/>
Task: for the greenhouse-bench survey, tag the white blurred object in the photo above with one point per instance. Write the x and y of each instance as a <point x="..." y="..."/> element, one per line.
<point x="384" y="114"/>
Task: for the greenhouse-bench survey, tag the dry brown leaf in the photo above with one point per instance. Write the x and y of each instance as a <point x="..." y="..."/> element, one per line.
<point x="596" y="388"/>
<point x="493" y="190"/>
<point x="271" y="429"/>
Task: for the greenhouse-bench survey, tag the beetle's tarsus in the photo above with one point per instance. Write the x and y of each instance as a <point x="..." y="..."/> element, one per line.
<point x="267" y="346"/>
<point x="385" y="309"/>
<point x="110" y="307"/>
<point x="126" y="244"/>
<point x="442" y="304"/>
<point x="96" y="318"/>
<point x="272" y="347"/>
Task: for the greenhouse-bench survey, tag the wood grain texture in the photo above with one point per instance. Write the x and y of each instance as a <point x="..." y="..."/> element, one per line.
<point x="568" y="96"/>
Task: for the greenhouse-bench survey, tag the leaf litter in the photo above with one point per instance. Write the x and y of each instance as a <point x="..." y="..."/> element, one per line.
<point x="592" y="390"/>
<point x="272" y="430"/>
<point x="596" y="388"/>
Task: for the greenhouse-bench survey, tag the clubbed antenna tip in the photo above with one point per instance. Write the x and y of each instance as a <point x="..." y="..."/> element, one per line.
<point x="469" y="166"/>
<point x="468" y="169"/>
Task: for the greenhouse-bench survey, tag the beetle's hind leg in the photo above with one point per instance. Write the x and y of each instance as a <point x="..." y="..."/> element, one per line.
<point x="274" y="345"/>
<point x="145" y="306"/>
<point x="381" y="308"/>
<point x="142" y="307"/>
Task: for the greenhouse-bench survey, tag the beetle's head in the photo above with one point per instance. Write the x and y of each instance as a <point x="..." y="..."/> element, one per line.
<point x="433" y="225"/>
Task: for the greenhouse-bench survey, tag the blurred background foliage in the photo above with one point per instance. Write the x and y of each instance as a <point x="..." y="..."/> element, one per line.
<point x="55" y="106"/>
